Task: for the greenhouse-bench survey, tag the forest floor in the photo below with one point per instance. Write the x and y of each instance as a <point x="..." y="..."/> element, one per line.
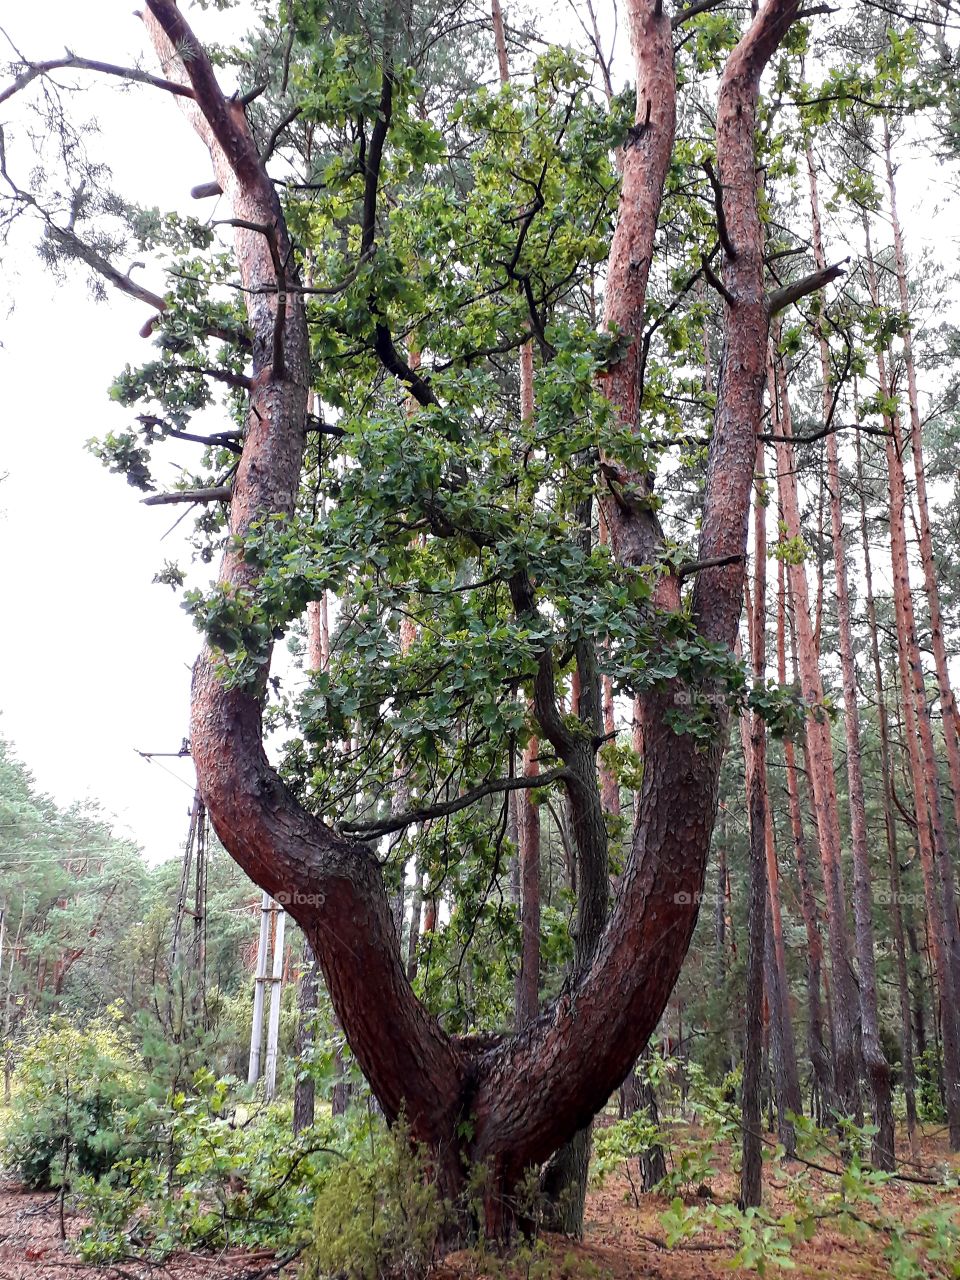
<point x="622" y="1241"/>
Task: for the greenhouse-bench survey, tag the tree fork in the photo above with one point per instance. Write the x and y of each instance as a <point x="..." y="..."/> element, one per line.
<point x="528" y="1094"/>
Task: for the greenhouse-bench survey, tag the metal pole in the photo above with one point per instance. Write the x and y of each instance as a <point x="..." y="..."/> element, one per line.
<point x="273" y="1022"/>
<point x="256" y="1031"/>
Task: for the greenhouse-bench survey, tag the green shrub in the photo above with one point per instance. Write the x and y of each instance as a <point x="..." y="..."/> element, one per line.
<point x="74" y="1089"/>
<point x="217" y="1171"/>
<point x="377" y="1215"/>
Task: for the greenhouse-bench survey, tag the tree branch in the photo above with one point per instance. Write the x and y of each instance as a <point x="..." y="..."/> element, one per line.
<point x="693" y="11"/>
<point x="71" y="63"/>
<point x="394" y="363"/>
<point x="274" y="138"/>
<point x="780" y="299"/>
<point x="222" y="493"/>
<point x="722" y="231"/>
<point x="713" y="279"/>
<point x="772" y="438"/>
<point x="689" y="567"/>
<point x="497" y="787"/>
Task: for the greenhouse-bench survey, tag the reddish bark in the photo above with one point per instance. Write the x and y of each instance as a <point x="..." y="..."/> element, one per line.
<point x="500" y="40"/>
<point x="822" y="779"/>
<point x="532" y="1092"/>
<point x="948" y="705"/>
<point x="816" y="1046"/>
<point x="766" y="918"/>
<point x="934" y="854"/>
<point x="889" y="821"/>
<point x="877" y="1067"/>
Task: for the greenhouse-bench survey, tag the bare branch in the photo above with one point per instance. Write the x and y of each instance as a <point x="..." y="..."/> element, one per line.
<point x="780" y="299"/>
<point x="714" y="280"/>
<point x="274" y="138"/>
<point x="71" y="63"/>
<point x="722" y="231"/>
<point x="773" y="438"/>
<point x="689" y="567"/>
<point x="222" y="493"/>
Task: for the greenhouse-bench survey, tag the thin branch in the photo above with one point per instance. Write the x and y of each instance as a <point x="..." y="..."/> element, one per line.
<point x="694" y="11"/>
<point x="773" y="438"/>
<point x="71" y="63"/>
<point x="238" y="380"/>
<point x="95" y="260"/>
<point x="714" y="280"/>
<point x="722" y="231"/>
<point x="428" y="812"/>
<point x="274" y="138"/>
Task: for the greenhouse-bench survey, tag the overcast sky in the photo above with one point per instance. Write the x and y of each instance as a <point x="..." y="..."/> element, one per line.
<point x="95" y="659"/>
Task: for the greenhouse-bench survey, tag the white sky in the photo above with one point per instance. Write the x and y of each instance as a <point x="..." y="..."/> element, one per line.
<point x="95" y="659"/>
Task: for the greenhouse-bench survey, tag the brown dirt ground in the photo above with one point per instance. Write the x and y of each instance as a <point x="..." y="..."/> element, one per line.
<point x="624" y="1242"/>
<point x="621" y="1242"/>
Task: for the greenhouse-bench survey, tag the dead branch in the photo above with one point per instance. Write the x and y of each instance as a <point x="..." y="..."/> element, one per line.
<point x="222" y="493"/>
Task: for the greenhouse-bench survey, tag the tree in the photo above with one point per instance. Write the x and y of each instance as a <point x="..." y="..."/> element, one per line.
<point x="476" y="494"/>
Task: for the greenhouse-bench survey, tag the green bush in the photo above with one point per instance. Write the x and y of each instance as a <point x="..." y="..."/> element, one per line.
<point x="74" y="1090"/>
<point x="377" y="1215"/>
<point x="217" y="1171"/>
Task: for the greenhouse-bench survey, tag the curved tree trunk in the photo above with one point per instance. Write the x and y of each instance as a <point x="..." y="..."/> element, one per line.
<point x="529" y="1093"/>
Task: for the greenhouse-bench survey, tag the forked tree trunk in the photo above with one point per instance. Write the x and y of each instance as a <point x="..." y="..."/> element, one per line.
<point x="531" y="1092"/>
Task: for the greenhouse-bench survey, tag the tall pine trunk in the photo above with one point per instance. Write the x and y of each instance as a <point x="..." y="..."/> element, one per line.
<point x="874" y="1059"/>
<point x="845" y="1074"/>
<point x="931" y="832"/>
<point x="889" y="820"/>
<point x="816" y="1046"/>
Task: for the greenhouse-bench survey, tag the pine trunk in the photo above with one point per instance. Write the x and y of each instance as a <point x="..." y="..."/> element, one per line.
<point x="845" y="1074"/>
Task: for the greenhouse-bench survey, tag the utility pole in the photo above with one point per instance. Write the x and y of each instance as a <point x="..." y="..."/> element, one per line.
<point x="273" y="1021"/>
<point x="272" y="928"/>
<point x="256" y="1032"/>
